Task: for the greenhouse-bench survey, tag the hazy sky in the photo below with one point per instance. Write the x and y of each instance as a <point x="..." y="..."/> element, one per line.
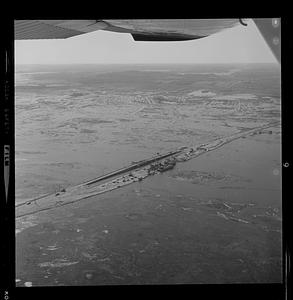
<point x="239" y="44"/>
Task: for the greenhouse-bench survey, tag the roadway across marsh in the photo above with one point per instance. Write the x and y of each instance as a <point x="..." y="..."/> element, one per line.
<point x="127" y="175"/>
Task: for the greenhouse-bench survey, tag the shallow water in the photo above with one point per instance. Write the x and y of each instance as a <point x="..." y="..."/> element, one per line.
<point x="213" y="219"/>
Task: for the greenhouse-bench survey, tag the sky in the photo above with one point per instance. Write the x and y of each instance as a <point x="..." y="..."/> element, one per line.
<point x="235" y="45"/>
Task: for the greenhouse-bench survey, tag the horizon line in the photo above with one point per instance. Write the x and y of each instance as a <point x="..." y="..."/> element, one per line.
<point x="150" y="63"/>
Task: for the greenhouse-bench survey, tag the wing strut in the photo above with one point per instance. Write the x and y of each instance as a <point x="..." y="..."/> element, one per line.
<point x="270" y="29"/>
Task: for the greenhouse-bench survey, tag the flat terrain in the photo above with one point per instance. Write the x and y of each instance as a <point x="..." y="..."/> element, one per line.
<point x="214" y="219"/>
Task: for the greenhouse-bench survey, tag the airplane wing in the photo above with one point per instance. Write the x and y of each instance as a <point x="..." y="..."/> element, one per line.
<point x="145" y="29"/>
<point x="140" y="29"/>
